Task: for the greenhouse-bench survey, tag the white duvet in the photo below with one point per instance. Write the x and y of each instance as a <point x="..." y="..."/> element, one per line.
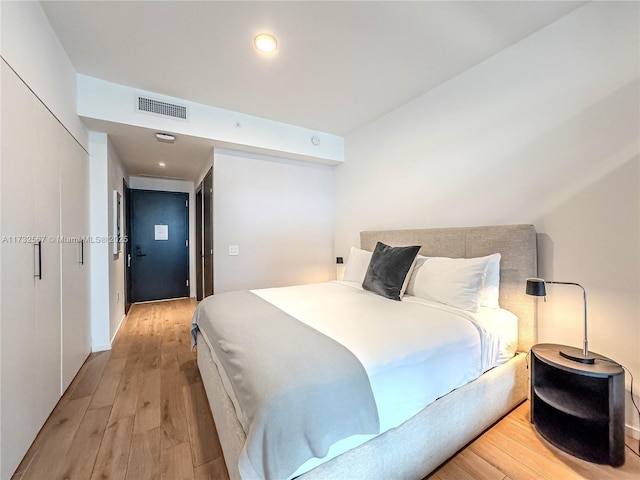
<point x="414" y="351"/>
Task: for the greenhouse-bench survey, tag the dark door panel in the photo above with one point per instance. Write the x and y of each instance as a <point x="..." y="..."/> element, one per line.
<point x="159" y="248"/>
<point x="127" y="246"/>
<point x="207" y="206"/>
<point x="199" y="250"/>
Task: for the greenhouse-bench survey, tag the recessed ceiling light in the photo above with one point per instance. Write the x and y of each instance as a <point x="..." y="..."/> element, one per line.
<point x="165" y="137"/>
<point x="265" y="43"/>
<point x="162" y="164"/>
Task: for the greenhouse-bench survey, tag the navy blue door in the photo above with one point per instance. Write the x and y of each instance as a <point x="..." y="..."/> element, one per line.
<point x="159" y="247"/>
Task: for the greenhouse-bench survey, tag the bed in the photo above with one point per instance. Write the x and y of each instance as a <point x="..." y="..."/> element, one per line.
<point x="412" y="447"/>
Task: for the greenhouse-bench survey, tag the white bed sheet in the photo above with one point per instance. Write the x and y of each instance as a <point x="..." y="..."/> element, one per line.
<point x="414" y="351"/>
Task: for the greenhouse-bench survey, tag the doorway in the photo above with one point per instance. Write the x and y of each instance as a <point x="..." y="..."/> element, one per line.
<point x="126" y="191"/>
<point x="199" y="250"/>
<point x="159" y="245"/>
<point x="207" y="217"/>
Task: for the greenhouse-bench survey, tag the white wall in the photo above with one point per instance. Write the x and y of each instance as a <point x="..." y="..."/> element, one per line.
<point x="107" y="270"/>
<point x="593" y="238"/>
<point x="545" y="132"/>
<point x="116" y="174"/>
<point x="167" y="185"/>
<point x="1" y="67"/>
<point x="99" y="251"/>
<point x="280" y="213"/>
<point x="108" y="101"/>
<point x="32" y="49"/>
<point x="1" y="255"/>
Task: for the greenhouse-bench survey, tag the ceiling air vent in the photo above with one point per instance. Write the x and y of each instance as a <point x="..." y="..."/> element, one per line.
<point x="162" y="108"/>
<point x="161" y="176"/>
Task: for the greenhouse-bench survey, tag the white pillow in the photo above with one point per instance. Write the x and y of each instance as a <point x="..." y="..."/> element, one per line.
<point x="452" y="281"/>
<point x="490" y="292"/>
<point x="357" y="265"/>
<point x="411" y="286"/>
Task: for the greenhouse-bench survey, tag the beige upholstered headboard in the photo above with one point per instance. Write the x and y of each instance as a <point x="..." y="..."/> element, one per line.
<point x="516" y="244"/>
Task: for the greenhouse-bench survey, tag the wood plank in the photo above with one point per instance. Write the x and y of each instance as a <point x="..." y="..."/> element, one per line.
<point x="480" y="468"/>
<point x="144" y="458"/>
<point x="122" y="343"/>
<point x="523" y="434"/>
<point x="56" y="437"/>
<point x="126" y="399"/>
<point x="120" y="348"/>
<point x="138" y="336"/>
<point x="30" y="455"/>
<point x="90" y="374"/>
<point x="16" y="476"/>
<point x="205" y="445"/>
<point x="174" y="429"/>
<point x="148" y="409"/>
<point x="113" y="455"/>
<point x="81" y="456"/>
<point x="169" y="355"/>
<point x="153" y="347"/>
<point x="105" y="393"/>
<point x="487" y="449"/>
<point x="452" y="471"/>
<point x="542" y="462"/>
<point x="522" y="414"/>
<point x="173" y="423"/>
<point x="186" y="362"/>
<point x="213" y="470"/>
<point x="176" y="462"/>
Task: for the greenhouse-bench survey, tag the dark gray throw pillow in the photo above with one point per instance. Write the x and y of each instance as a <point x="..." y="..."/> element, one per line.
<point x="388" y="270"/>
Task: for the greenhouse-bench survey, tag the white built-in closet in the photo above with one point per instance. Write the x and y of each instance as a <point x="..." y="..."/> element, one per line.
<point x="44" y="282"/>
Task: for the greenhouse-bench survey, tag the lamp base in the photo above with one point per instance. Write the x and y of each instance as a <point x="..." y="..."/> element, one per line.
<point x="589" y="359"/>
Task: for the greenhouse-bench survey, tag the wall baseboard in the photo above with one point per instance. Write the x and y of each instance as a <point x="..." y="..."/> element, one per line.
<point x="633" y="432"/>
<point x="100" y="348"/>
<point x="107" y="346"/>
<point x="118" y="329"/>
<point x="164" y="300"/>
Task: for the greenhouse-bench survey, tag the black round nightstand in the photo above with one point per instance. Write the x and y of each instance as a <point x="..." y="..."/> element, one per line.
<point x="578" y="407"/>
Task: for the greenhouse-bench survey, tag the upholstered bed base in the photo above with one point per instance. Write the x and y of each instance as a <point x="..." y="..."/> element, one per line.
<point x="410" y="451"/>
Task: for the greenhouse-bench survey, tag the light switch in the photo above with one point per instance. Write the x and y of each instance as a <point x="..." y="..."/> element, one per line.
<point x="234" y="250"/>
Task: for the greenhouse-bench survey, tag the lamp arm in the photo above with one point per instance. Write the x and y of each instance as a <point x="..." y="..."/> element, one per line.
<point x="585" y="350"/>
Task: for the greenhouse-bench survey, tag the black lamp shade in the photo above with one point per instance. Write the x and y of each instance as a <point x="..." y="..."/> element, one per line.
<point x="535" y="287"/>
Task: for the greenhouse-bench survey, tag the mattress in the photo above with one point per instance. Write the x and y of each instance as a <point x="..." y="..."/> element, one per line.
<point x="413" y="351"/>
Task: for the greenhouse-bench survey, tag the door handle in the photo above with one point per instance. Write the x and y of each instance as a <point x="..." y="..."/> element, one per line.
<point x="81" y="262"/>
<point x="128" y="260"/>
<point x="39" y="274"/>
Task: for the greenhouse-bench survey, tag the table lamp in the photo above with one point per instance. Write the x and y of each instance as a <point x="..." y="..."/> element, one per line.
<point x="536" y="287"/>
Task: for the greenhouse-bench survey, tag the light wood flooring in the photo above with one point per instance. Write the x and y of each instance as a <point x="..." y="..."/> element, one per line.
<point x="511" y="450"/>
<point x="140" y="411"/>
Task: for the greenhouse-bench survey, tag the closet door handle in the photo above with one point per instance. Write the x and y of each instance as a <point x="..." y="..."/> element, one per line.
<point x="82" y="251"/>
<point x="39" y="274"/>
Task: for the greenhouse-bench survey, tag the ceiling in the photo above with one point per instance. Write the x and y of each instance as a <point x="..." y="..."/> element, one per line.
<point x="339" y="65"/>
<point x="141" y="152"/>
